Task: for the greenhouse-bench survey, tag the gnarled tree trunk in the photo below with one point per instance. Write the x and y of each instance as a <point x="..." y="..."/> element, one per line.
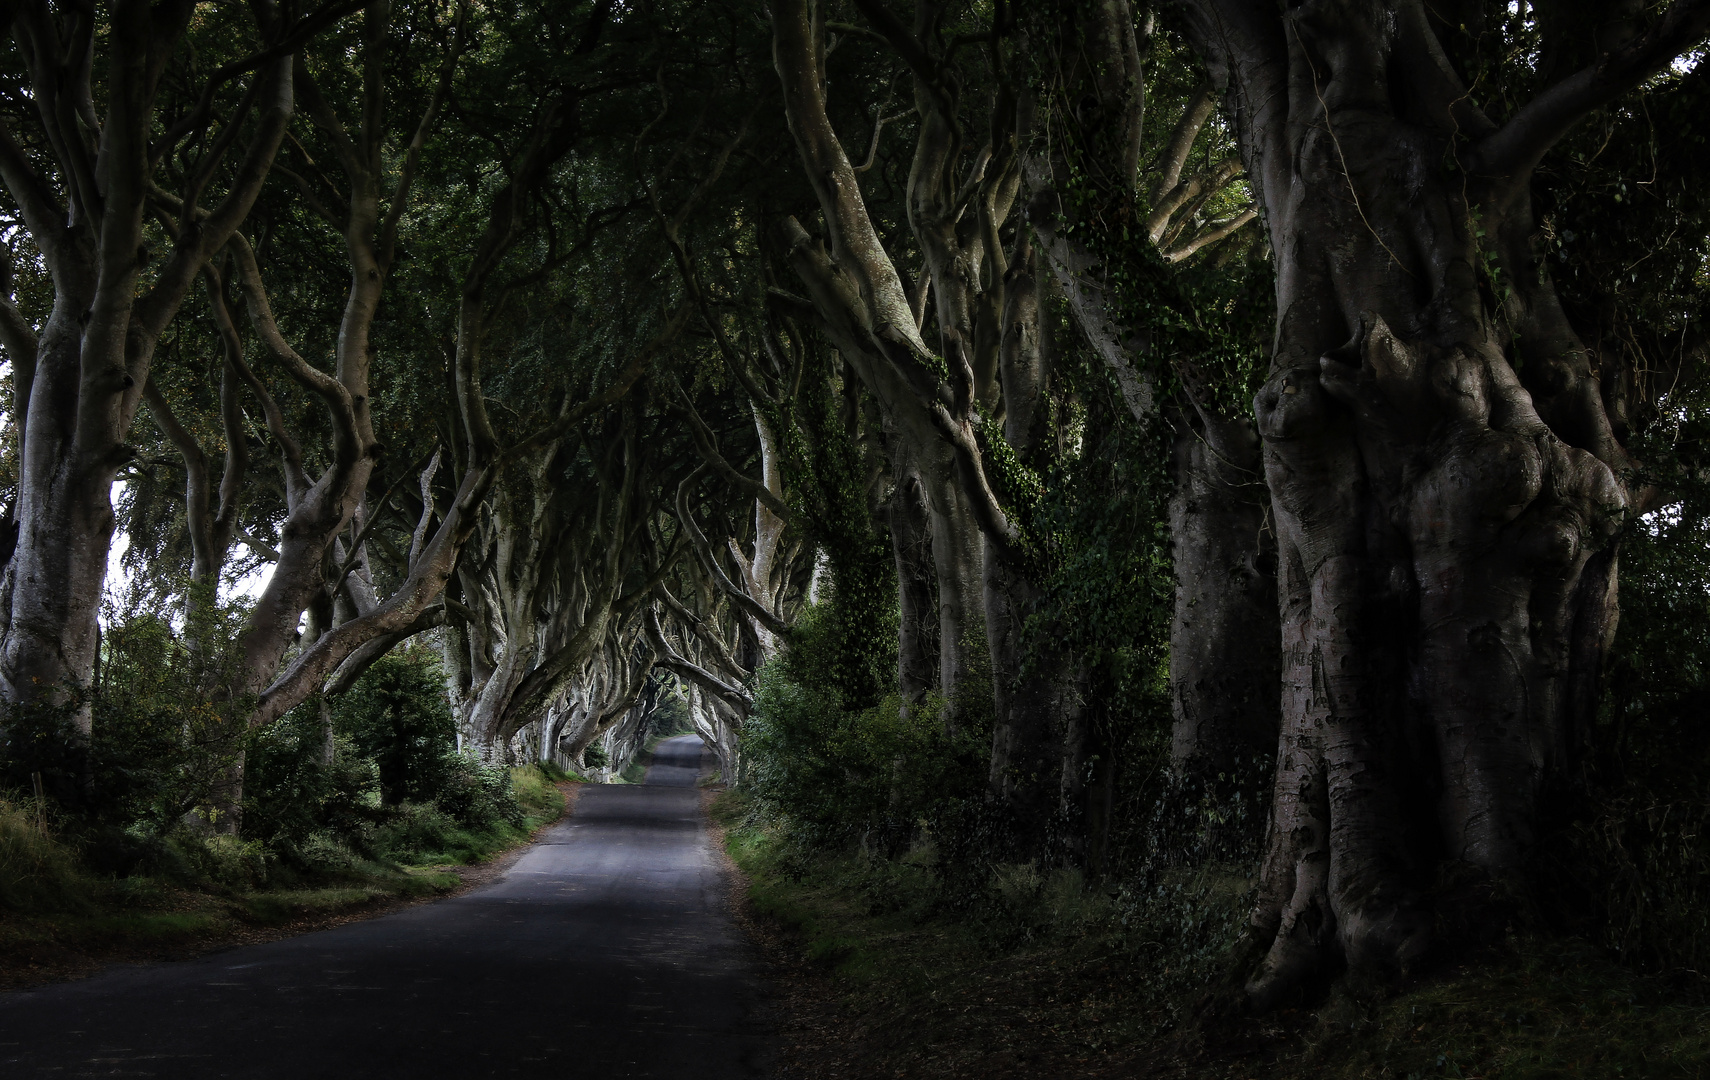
<point x="1444" y="480"/>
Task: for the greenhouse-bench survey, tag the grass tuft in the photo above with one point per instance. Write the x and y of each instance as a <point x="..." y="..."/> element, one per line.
<point x="37" y="873"/>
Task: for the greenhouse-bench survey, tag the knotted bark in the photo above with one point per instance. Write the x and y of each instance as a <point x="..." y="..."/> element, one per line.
<point x="1446" y="487"/>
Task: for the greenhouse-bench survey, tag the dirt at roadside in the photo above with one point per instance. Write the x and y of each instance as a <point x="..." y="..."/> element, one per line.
<point x="814" y="1035"/>
<point x="30" y="963"/>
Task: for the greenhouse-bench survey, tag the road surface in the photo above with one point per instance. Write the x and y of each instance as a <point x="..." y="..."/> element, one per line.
<point x="604" y="952"/>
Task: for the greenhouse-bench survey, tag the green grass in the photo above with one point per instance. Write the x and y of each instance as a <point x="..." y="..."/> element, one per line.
<point x="35" y="871"/>
<point x="1038" y="974"/>
<point x="288" y="905"/>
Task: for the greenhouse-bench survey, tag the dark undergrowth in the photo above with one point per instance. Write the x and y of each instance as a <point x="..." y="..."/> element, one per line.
<point x="1041" y="975"/>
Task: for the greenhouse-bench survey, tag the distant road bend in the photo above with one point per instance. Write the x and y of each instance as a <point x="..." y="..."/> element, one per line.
<point x="606" y="951"/>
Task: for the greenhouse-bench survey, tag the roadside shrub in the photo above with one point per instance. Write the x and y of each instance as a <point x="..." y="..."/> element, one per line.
<point x="422" y="833"/>
<point x="397" y="717"/>
<point x="532" y="786"/>
<point x="1651" y="861"/>
<point x="166" y="735"/>
<point x="394" y="785"/>
<point x="842" y="773"/>
<point x="478" y="796"/>
<point x="291" y="790"/>
<point x="39" y="744"/>
<point x="222" y="860"/>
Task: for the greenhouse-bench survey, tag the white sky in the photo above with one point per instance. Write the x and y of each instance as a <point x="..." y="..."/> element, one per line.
<point x="249" y="585"/>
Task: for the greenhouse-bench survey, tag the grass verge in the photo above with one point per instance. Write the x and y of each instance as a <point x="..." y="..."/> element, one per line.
<point x="59" y="921"/>
<point x="891" y="972"/>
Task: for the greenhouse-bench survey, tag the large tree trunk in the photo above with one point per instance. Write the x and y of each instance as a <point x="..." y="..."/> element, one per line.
<point x="958" y="560"/>
<point x="917" y="605"/>
<point x="1038" y="742"/>
<point x="65" y="527"/>
<point x="1444" y="480"/>
<point x="1223" y="632"/>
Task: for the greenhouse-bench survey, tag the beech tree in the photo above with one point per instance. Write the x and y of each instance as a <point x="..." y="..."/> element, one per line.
<point x="1038" y="210"/>
<point x="84" y="183"/>
<point x="985" y="301"/>
<point x="322" y="564"/>
<point x="1440" y="442"/>
<point x="556" y="581"/>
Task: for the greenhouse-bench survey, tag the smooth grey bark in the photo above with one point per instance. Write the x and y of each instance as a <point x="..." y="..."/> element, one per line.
<point x="1224" y="635"/>
<point x="863" y="308"/>
<point x="1445" y="481"/>
<point x="596" y="591"/>
<point x="910" y="522"/>
<point x="620" y="678"/>
<point x="92" y="357"/>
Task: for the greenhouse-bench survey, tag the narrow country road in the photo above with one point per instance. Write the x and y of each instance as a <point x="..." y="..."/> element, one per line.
<point x="604" y="952"/>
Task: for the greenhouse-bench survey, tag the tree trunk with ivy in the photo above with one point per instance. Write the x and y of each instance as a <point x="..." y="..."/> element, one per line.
<point x="856" y="297"/>
<point x="1095" y="173"/>
<point x="909" y="523"/>
<point x="1445" y="481"/>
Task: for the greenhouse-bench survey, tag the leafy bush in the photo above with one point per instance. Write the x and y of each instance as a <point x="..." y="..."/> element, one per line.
<point x="397" y="717"/>
<point x="843" y="773"/>
<point x="222" y="859"/>
<point x="424" y="834"/>
<point x="168" y="738"/>
<point x="394" y="786"/>
<point x="292" y="791"/>
<point x="478" y="796"/>
<point x="165" y="733"/>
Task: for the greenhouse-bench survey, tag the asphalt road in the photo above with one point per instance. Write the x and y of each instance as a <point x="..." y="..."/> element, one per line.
<point x="604" y="952"/>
